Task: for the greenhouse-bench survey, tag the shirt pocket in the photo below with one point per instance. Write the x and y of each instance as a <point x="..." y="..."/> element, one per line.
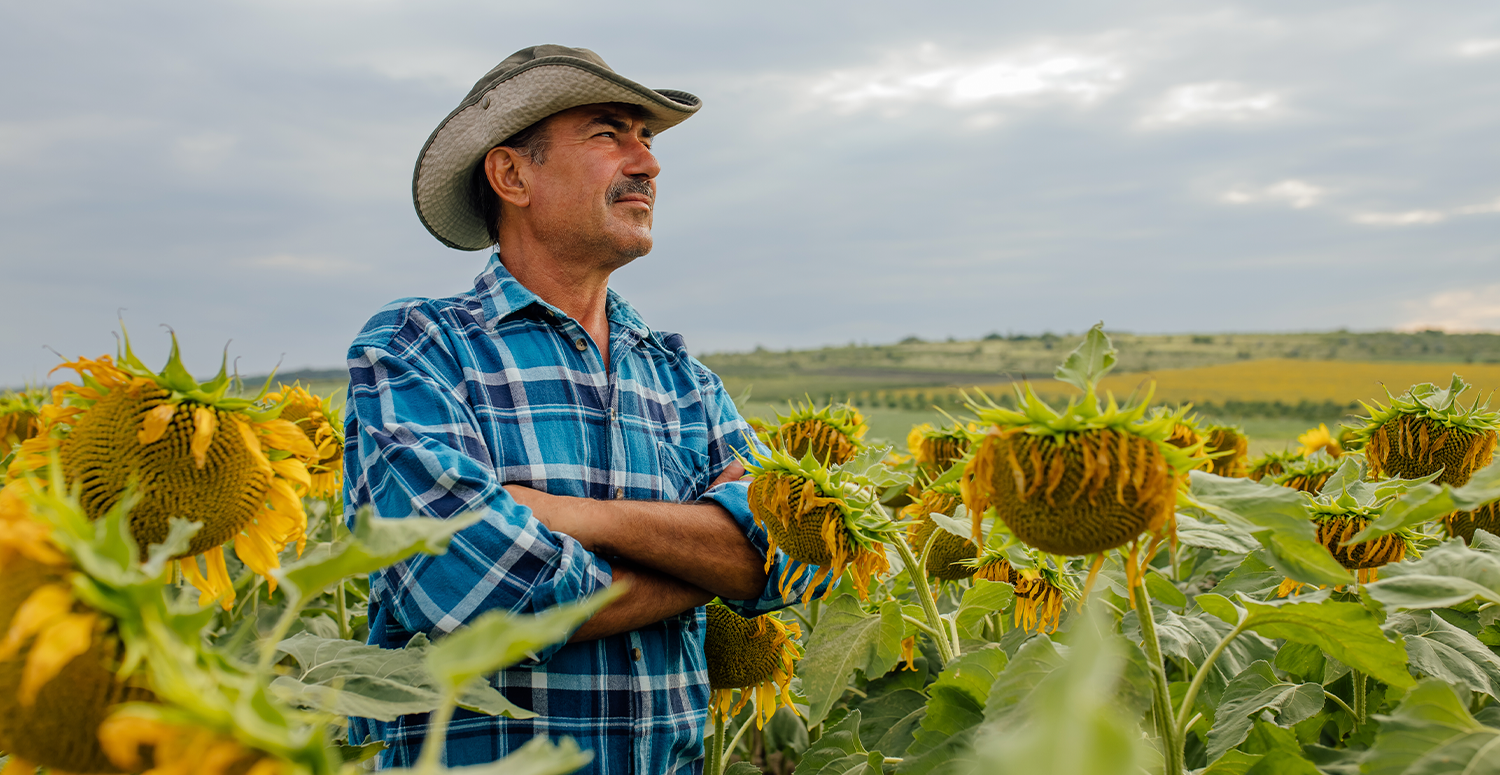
<point x="684" y="472"/>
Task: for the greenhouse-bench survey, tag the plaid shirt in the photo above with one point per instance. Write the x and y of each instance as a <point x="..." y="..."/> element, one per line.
<point x="449" y="399"/>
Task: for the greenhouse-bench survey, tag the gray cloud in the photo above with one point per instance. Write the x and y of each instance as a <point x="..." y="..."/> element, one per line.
<point x="863" y="172"/>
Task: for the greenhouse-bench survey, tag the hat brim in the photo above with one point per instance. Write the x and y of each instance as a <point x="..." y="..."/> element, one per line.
<point x="443" y="181"/>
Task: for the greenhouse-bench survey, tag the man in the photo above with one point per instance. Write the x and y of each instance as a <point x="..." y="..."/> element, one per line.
<point x="596" y="448"/>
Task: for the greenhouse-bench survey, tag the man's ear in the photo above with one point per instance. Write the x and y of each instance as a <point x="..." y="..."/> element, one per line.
<point x="507" y="173"/>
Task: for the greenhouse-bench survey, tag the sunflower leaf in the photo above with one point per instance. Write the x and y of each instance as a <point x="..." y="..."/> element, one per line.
<point x="1348" y="632"/>
<point x="375" y="544"/>
<point x="1446" y="575"/>
<point x="847" y="639"/>
<point x="1252" y="693"/>
<point x="1276" y="517"/>
<point x="955" y="709"/>
<point x="1431" y="732"/>
<point x="1089" y="362"/>
<point x="1437" y="649"/>
<point x="539" y="756"/>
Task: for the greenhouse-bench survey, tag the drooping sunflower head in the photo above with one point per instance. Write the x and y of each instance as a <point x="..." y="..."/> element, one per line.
<point x="936" y="449"/>
<point x="763" y="430"/>
<point x="946" y="559"/>
<point x="820" y="518"/>
<point x="20" y="418"/>
<point x="152" y="740"/>
<point x="754" y="656"/>
<point x="1319" y="439"/>
<point x="1185" y="432"/>
<point x="1462" y="524"/>
<point x="1228" y="448"/>
<point x="323" y="424"/>
<point x="1272" y="464"/>
<point x="58" y="656"/>
<point x="189" y="449"/>
<point x="1089" y="478"/>
<point x="1307" y="474"/>
<point x="1426" y="430"/>
<point x="832" y="434"/>
<point x="1042" y="588"/>
<point x="1340" y="521"/>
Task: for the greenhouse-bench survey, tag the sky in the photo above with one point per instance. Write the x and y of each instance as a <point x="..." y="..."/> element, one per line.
<point x="240" y="172"/>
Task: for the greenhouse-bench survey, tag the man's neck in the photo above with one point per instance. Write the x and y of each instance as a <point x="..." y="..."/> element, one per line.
<point x="578" y="288"/>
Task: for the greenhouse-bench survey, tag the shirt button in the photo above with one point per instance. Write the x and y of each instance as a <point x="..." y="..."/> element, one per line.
<point x="635" y="654"/>
<point x="619" y="493"/>
<point x="580" y="345"/>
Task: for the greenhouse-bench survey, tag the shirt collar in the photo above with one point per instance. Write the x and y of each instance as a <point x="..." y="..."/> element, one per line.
<point x="502" y="296"/>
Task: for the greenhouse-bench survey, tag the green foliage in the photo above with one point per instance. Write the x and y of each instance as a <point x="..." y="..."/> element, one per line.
<point x="1431" y="732"/>
<point x="847" y="639"/>
<point x="1255" y="694"/>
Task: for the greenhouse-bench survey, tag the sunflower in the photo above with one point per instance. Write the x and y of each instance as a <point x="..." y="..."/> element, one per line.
<point x="1425" y="431"/>
<point x="1083" y="480"/>
<point x="1041" y="590"/>
<point x="1462" y="524"/>
<point x="1272" y="464"/>
<point x="1307" y="474"/>
<point x="20" y="418"/>
<point x="145" y="740"/>
<point x="936" y="449"/>
<point x="190" y="451"/>
<point x="1228" y="447"/>
<point x="832" y="434"/>
<point x="945" y="561"/>
<point x="754" y="656"/>
<point x="1320" y="440"/>
<point x="324" y="426"/>
<point x="58" y="656"/>
<point x="1185" y="434"/>
<point x="819" y="518"/>
<point x="1343" y="515"/>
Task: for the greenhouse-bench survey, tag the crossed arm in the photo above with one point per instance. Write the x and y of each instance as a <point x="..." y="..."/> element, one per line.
<point x="675" y="556"/>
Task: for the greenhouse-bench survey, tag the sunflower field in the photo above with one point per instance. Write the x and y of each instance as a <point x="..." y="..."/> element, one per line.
<point x="1041" y="585"/>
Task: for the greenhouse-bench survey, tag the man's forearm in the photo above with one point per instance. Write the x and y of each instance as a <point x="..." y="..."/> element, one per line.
<point x="650" y="598"/>
<point x="699" y="543"/>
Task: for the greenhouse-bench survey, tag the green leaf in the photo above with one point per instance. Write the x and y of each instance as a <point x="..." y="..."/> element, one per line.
<point x="350" y="678"/>
<point x="838" y="751"/>
<point x="1233" y="763"/>
<point x="1162" y="589"/>
<point x="742" y="768"/>
<point x="1276" y="517"/>
<point x="1214" y="535"/>
<point x="1089" y="362"/>
<point x="495" y="640"/>
<point x="1347" y="632"/>
<point x="1193" y="635"/>
<point x="376" y="543"/>
<point x="1255" y="692"/>
<point x="537" y="757"/>
<point x="1034" y="661"/>
<point x="847" y="639"/>
<point x="890" y="719"/>
<point x="955" y="706"/>
<point x="980" y="600"/>
<point x="1431" y="732"/>
<point x="1446" y="575"/>
<point x="1071" y="722"/>
<point x="1439" y="650"/>
<point x="963" y="529"/>
<point x="1428" y="501"/>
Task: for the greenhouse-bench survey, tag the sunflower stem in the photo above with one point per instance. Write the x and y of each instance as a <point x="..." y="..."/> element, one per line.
<point x="1202" y="675"/>
<point x="924" y="595"/>
<point x="1171" y="734"/>
<point x="1339" y="702"/>
<point x="345" y="632"/>
<point x="713" y="762"/>
<point x="1361" y="698"/>
<point x="734" y="744"/>
<point x="431" y="758"/>
<point x="278" y="633"/>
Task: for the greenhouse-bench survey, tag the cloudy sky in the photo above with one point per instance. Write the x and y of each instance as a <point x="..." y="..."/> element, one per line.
<point x="860" y="171"/>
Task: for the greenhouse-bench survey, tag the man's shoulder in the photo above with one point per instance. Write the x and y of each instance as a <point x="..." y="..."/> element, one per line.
<point x="416" y="321"/>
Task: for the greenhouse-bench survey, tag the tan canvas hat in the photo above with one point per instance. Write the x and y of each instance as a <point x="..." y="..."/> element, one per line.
<point x="528" y="86"/>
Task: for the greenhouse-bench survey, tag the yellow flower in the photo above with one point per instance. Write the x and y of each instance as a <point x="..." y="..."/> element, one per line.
<point x="832" y="434"/>
<point x="1040" y="591"/>
<point x="20" y="418"/>
<point x="814" y="524"/>
<point x="1320" y="439"/>
<point x="179" y="748"/>
<point x="753" y="656"/>
<point x="58" y="656"/>
<point x="324" y="427"/>
<point x="945" y="560"/>
<point x="190" y="452"/>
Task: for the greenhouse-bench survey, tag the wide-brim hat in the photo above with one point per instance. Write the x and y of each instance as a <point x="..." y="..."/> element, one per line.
<point x="528" y="86"/>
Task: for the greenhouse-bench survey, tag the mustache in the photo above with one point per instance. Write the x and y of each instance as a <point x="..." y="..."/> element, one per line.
<point x="630" y="186"/>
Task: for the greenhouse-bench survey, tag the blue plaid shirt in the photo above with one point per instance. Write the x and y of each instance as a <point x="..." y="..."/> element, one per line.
<point x="449" y="399"/>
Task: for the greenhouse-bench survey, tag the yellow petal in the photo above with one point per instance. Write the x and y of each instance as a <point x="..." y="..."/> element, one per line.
<point x="15" y="765"/>
<point x="205" y="422"/>
<point x="155" y="423"/>
<point x="218" y="575"/>
<point x="252" y="444"/>
<point x="258" y="554"/>
<point x="284" y="434"/>
<point x="266" y="766"/>
<point x="293" y="470"/>
<point x="46" y="605"/>
<point x="122" y="736"/>
<point x="53" y="650"/>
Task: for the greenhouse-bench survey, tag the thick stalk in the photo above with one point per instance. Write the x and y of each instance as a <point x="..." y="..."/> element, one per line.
<point x="924" y="595"/>
<point x="1361" y="698"/>
<point x="734" y="742"/>
<point x="921" y="625"/>
<point x="1202" y="674"/>
<point x="713" y="762"/>
<point x="1342" y="704"/>
<point x="1172" y="752"/>
<point x="345" y="632"/>
<point x="278" y="633"/>
<point x="431" y="757"/>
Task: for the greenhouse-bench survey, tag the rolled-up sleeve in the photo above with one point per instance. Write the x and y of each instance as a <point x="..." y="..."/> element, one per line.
<point x="415" y="448"/>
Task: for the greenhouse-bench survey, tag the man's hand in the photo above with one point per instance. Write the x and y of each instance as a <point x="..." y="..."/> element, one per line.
<point x="733" y="472"/>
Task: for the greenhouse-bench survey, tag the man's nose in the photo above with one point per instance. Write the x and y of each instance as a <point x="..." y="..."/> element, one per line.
<point x="642" y="163"/>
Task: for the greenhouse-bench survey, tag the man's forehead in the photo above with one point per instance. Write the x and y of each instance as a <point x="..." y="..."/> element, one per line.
<point x="606" y="113"/>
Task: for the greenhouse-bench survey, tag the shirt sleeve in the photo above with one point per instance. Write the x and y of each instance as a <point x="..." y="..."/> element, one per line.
<point x="415" y="448"/>
<point x="731" y="436"/>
